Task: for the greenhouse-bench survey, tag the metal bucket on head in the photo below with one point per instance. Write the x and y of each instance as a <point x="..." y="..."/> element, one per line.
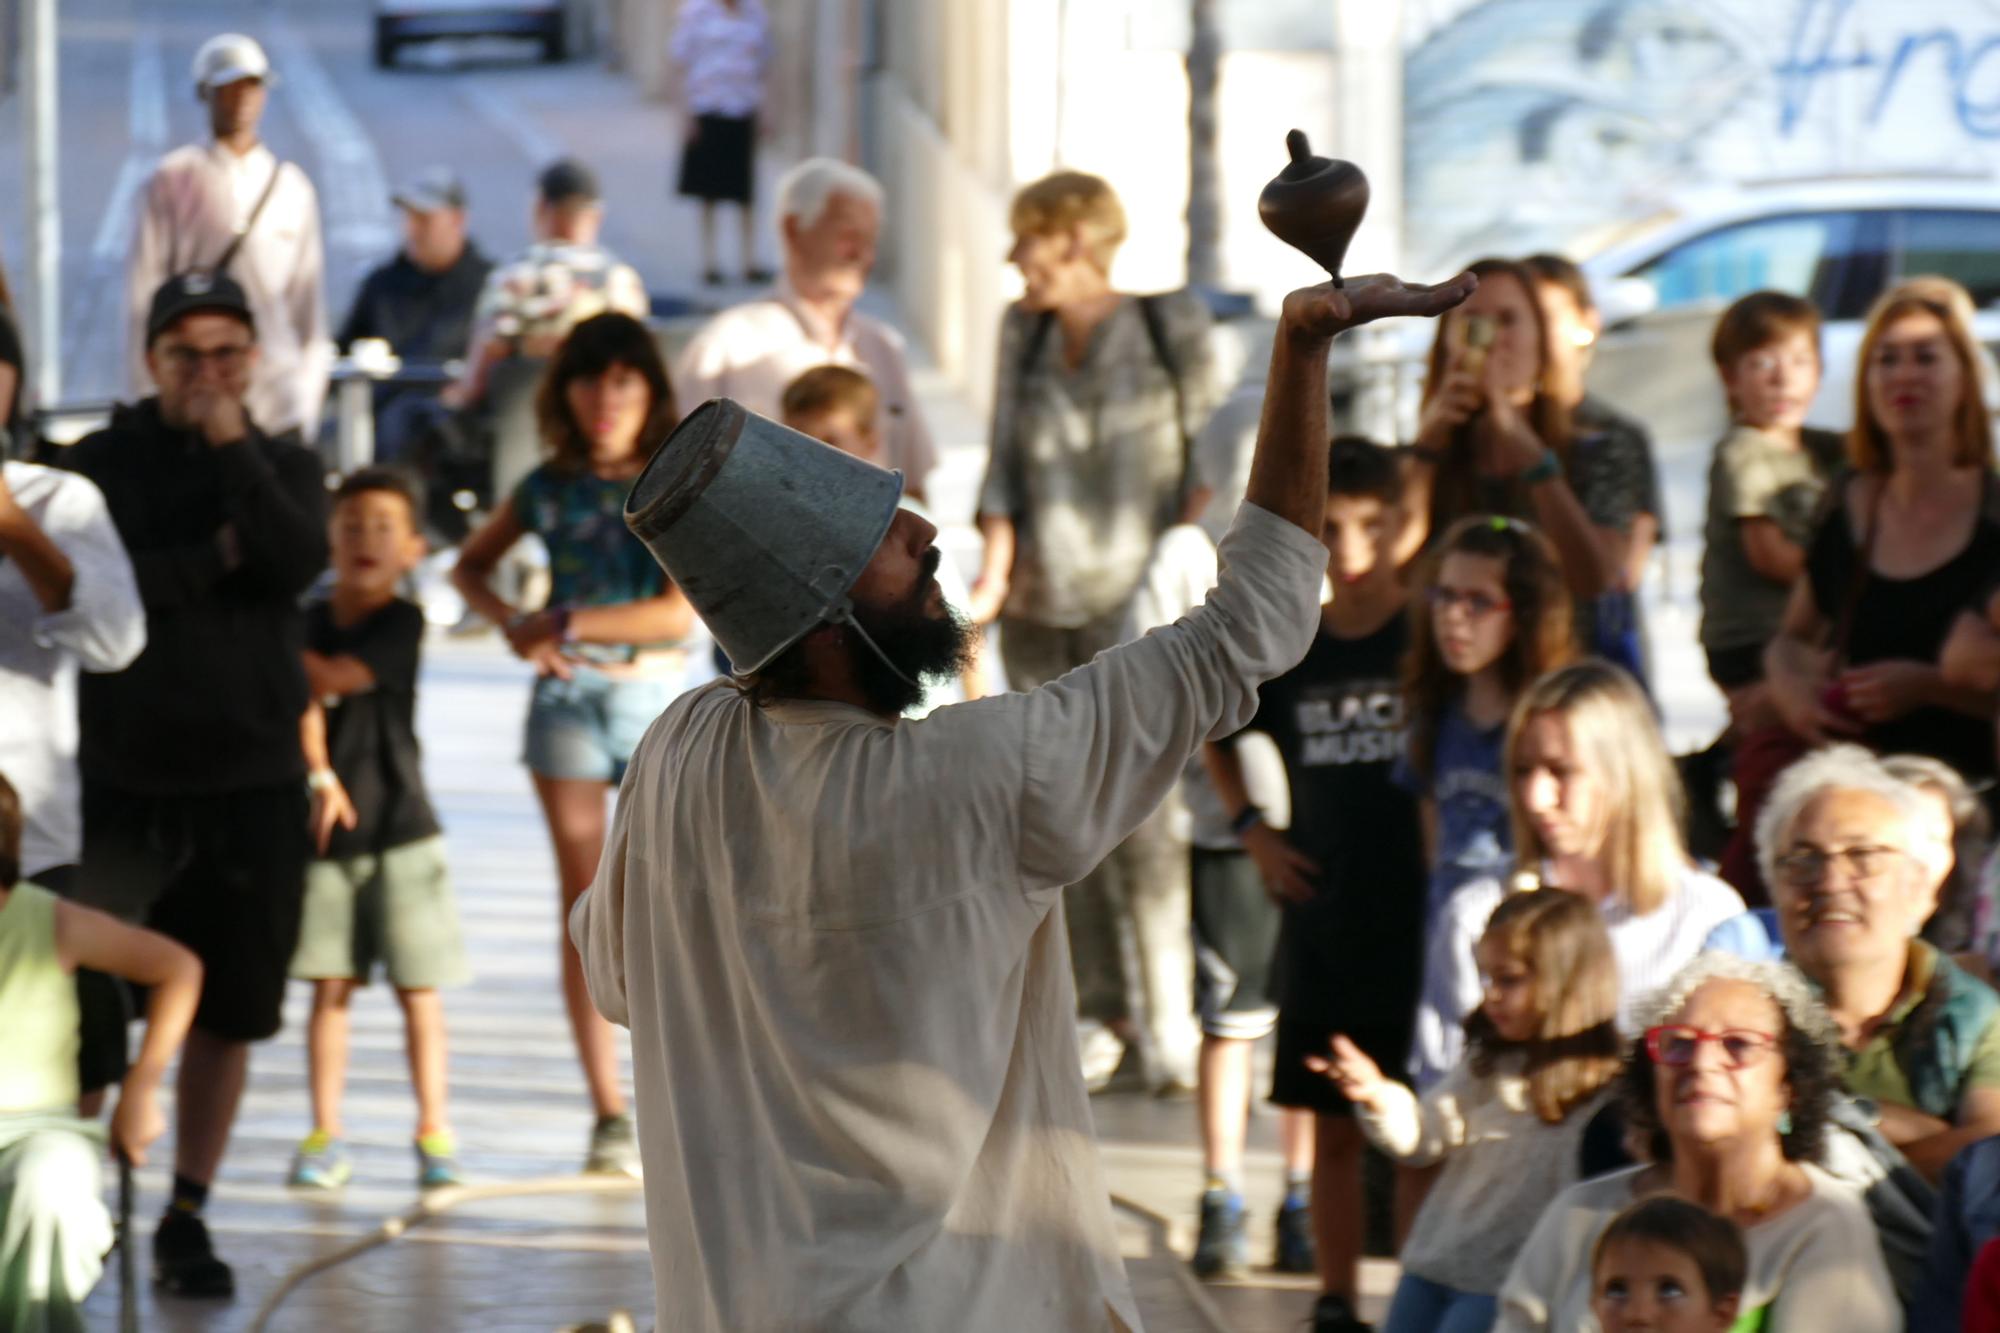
<point x="763" y="528"/>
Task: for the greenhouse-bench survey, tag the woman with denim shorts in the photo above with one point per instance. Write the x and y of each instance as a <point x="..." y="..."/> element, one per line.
<point x="606" y="649"/>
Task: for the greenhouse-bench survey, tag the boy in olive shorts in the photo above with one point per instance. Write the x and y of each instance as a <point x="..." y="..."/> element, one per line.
<point x="381" y="891"/>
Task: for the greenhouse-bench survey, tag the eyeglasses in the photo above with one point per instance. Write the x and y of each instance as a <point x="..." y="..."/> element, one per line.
<point x="1476" y="604"/>
<point x="1808" y="865"/>
<point x="1674" y="1045"/>
<point x="187" y="360"/>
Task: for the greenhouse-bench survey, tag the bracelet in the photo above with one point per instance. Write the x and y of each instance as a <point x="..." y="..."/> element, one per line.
<point x="1546" y="468"/>
<point x="321" y="779"/>
<point x="1245" y="818"/>
<point x="1423" y="453"/>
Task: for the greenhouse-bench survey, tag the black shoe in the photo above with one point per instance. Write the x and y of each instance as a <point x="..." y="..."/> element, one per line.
<point x="1332" y="1314"/>
<point x="1295" y="1239"/>
<point x="1222" y="1249"/>
<point x="757" y="277"/>
<point x="184" y="1261"/>
<point x="713" y="277"/>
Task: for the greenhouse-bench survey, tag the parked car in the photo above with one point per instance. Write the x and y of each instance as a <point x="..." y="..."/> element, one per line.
<point x="400" y="22"/>
<point x="1840" y="242"/>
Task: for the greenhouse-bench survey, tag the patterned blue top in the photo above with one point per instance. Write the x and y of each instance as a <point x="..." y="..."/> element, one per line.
<point x="594" y="560"/>
<point x="1474" y="838"/>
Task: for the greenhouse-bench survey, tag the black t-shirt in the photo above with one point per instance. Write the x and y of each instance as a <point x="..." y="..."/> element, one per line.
<point x="372" y="736"/>
<point x="1352" y="957"/>
<point x="1910" y="618"/>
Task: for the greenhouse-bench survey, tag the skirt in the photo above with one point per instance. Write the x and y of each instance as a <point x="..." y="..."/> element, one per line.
<point x="717" y="163"/>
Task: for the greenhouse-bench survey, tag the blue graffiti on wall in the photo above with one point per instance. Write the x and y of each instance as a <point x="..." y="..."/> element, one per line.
<point x="1814" y="56"/>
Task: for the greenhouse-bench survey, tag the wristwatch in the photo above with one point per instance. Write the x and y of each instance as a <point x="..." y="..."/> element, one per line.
<point x="1245" y="818"/>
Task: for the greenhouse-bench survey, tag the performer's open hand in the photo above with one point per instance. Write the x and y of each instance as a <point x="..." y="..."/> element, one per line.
<point x="1327" y="310"/>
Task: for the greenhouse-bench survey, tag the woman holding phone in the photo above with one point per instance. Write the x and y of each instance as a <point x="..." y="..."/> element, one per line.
<point x="1493" y="439"/>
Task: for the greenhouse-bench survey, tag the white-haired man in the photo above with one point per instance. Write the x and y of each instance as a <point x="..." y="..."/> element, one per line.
<point x="1840" y="843"/>
<point x="829" y="216"/>
<point x="231" y="205"/>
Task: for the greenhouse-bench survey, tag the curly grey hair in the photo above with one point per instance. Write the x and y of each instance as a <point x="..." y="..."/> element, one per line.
<point x="806" y="190"/>
<point x="1785" y="984"/>
<point x="1833" y="768"/>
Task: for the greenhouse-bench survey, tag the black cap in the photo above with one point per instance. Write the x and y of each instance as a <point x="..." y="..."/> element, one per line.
<point x="436" y="189"/>
<point x="566" y="179"/>
<point x="186" y="293"/>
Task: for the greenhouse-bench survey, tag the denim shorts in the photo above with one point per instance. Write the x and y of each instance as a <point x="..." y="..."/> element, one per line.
<point x="587" y="726"/>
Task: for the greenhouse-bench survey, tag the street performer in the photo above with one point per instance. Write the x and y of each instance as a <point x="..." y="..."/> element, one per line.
<point x="837" y="937"/>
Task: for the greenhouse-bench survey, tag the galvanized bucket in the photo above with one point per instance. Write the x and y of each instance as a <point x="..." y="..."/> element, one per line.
<point x="763" y="528"/>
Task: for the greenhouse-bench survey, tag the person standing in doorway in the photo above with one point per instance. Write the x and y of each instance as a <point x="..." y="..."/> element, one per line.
<point x="229" y="206"/>
<point x="725" y="46"/>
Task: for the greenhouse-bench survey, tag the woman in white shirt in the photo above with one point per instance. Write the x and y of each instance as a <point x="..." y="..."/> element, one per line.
<point x="1730" y="1087"/>
<point x="723" y="46"/>
<point x="1596" y="810"/>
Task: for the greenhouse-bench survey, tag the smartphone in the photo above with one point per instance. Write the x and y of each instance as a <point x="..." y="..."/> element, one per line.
<point x="1475" y="339"/>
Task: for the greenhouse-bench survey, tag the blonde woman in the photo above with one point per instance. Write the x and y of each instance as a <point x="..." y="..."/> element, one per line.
<point x="1596" y="808"/>
<point x="1097" y="396"/>
<point x="1911" y="543"/>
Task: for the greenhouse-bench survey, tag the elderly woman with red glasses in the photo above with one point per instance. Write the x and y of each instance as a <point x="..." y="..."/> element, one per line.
<point x="1729" y="1088"/>
<point x="1844" y="845"/>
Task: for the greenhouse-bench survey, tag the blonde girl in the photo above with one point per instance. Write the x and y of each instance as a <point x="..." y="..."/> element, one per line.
<point x="1540" y="1050"/>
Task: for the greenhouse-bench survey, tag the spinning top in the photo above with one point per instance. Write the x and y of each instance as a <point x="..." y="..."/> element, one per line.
<point x="1315" y="204"/>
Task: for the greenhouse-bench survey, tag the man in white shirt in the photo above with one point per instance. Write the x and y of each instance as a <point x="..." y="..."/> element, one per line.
<point x="231" y="200"/>
<point x="829" y="218"/>
<point x="835" y="936"/>
<point x="68" y="600"/>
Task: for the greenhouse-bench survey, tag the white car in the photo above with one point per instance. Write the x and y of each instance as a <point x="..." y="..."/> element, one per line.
<point x="400" y="22"/>
<point x="1841" y="243"/>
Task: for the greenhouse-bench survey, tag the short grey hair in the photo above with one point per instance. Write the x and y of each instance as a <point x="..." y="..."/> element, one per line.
<point x="1784" y="984"/>
<point x="1833" y="768"/>
<point x="806" y="190"/>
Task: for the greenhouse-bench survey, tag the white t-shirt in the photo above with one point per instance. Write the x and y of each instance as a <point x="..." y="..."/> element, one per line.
<point x="1650" y="949"/>
<point x="102" y="629"/>
<point x="1815" y="1268"/>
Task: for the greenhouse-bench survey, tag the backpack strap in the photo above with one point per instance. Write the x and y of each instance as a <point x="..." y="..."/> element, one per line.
<point x="1156" y="333"/>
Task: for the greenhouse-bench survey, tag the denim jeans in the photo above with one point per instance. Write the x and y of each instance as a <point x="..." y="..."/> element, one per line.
<point x="1423" y="1306"/>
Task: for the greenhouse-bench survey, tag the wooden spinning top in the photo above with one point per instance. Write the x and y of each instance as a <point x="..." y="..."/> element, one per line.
<point x="1315" y="204"/>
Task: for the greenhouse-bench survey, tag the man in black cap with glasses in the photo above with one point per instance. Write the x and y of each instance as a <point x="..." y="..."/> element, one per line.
<point x="194" y="788"/>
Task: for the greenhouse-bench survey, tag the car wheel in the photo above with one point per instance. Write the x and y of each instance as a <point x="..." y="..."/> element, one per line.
<point x="555" y="44"/>
<point x="385" y="42"/>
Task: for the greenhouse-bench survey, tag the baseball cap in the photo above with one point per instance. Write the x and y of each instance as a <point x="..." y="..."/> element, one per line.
<point x="186" y="293"/>
<point x="433" y="189"/>
<point x="229" y="58"/>
<point x="567" y="178"/>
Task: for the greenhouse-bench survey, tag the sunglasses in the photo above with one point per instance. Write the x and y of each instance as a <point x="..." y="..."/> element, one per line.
<point x="1674" y="1045"/>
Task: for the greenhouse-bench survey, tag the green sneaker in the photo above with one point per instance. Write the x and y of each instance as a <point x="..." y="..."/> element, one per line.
<point x="614" y="1148"/>
<point x="437" y="1161"/>
<point x="320" y="1163"/>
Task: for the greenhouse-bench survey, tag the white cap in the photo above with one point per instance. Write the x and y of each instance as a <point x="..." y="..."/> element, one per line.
<point x="228" y="59"/>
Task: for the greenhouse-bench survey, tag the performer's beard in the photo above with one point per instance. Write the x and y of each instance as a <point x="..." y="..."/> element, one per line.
<point x="923" y="645"/>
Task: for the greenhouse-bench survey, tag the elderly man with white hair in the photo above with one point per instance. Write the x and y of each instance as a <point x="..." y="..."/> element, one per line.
<point x="1841" y="841"/>
<point x="829" y="216"/>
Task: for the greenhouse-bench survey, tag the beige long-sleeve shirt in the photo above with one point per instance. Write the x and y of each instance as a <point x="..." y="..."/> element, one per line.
<point x="1815" y="1268"/>
<point x="199" y="197"/>
<point x="1502" y="1163"/>
<point x="838" y="944"/>
<point x="750" y="352"/>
